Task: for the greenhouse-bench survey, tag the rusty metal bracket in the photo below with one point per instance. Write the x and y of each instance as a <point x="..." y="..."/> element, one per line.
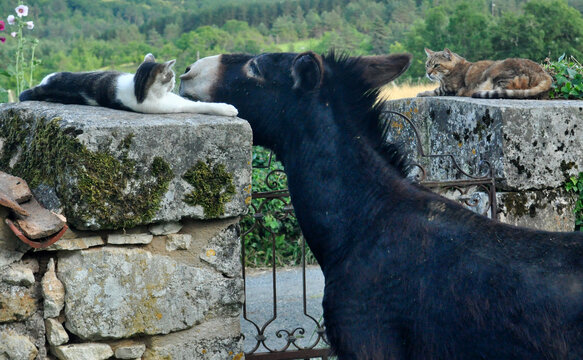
<point x="48" y="241"/>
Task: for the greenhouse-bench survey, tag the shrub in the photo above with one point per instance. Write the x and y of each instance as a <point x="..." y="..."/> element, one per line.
<point x="567" y="76"/>
<point x="277" y="223"/>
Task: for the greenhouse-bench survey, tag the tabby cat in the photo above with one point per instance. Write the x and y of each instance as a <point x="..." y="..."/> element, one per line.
<point x="148" y="91"/>
<point x="510" y="78"/>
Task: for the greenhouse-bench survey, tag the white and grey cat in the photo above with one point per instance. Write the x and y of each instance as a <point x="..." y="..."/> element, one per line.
<point x="148" y="91"/>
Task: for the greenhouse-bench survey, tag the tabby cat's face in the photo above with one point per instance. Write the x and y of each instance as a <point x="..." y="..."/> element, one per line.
<point x="440" y="63"/>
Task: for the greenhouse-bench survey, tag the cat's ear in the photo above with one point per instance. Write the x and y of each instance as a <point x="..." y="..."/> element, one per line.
<point x="429" y="52"/>
<point x="149" y="58"/>
<point x="448" y="53"/>
<point x="170" y="63"/>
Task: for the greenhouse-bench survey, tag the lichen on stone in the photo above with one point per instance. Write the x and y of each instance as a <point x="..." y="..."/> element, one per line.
<point x="213" y="188"/>
<point x="100" y="189"/>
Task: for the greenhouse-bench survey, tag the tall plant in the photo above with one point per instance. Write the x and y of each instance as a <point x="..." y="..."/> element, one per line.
<point x="24" y="60"/>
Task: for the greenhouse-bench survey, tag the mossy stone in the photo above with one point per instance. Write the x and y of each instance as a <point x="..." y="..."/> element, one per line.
<point x="213" y="188"/>
<point x="99" y="190"/>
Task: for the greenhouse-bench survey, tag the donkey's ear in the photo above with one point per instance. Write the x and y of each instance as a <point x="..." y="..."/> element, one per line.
<point x="307" y="71"/>
<point x="149" y="58"/>
<point x="377" y="71"/>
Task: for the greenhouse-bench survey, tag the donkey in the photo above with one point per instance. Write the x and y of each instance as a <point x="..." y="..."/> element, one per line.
<point x="408" y="274"/>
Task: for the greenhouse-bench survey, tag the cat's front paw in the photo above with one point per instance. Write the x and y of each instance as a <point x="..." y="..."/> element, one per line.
<point x="227" y="110"/>
<point x="425" y="93"/>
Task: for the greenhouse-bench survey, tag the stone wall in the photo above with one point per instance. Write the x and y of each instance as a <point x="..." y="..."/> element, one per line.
<point x="533" y="146"/>
<point x="150" y="267"/>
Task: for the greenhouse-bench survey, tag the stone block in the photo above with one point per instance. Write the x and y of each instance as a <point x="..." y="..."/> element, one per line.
<point x="531" y="144"/>
<point x="14" y="346"/>
<point x="224" y="252"/>
<point x="88" y="351"/>
<point x="56" y="333"/>
<point x="165" y="228"/>
<point x="32" y="328"/>
<point x="129" y="239"/>
<point x="178" y="242"/>
<point x="53" y="292"/>
<point x="115" y="292"/>
<point x="75" y="244"/>
<point x="17" y="274"/>
<point x="112" y="169"/>
<point x="130" y="351"/>
<point x="216" y="339"/>
<point x="11" y="249"/>
<point x="550" y="210"/>
<point x="17" y="303"/>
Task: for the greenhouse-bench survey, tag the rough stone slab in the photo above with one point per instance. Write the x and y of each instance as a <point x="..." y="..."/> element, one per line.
<point x="14" y="187"/>
<point x="56" y="333"/>
<point x="16" y="347"/>
<point x="17" y="274"/>
<point x="550" y="210"/>
<point x="75" y="244"/>
<point x="178" y="242"/>
<point x="129" y="239"/>
<point x="216" y="339"/>
<point x="165" y="228"/>
<point x="531" y="144"/>
<point x="11" y="248"/>
<point x="17" y="303"/>
<point x="115" y="292"/>
<point x="53" y="292"/>
<point x="88" y="351"/>
<point x="224" y="252"/>
<point x="130" y="351"/>
<point x="179" y="141"/>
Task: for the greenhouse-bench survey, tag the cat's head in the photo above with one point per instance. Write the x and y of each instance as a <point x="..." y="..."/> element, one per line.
<point x="440" y="63"/>
<point x="153" y="77"/>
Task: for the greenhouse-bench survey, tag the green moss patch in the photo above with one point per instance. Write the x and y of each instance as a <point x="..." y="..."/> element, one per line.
<point x="213" y="188"/>
<point x="99" y="190"/>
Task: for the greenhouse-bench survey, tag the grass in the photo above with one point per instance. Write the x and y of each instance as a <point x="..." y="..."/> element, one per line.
<point x="404" y="90"/>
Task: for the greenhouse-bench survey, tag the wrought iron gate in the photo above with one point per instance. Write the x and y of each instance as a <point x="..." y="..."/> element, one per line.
<point x="300" y="342"/>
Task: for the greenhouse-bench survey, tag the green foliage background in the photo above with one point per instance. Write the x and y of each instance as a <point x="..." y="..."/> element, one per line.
<point x="80" y="35"/>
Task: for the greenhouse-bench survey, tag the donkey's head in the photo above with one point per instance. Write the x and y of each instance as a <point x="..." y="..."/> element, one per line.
<point x="281" y="92"/>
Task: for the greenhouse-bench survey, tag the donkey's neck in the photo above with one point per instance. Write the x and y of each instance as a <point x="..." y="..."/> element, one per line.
<point x="333" y="180"/>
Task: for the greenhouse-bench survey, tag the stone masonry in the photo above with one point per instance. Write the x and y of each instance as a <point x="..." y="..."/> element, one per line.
<point x="532" y="145"/>
<point x="150" y="267"/>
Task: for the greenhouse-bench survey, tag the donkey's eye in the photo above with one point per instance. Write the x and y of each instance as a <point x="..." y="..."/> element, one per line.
<point x="253" y="69"/>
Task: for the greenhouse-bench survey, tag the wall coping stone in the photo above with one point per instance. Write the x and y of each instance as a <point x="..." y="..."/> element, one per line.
<point x="531" y="144"/>
<point x="92" y="152"/>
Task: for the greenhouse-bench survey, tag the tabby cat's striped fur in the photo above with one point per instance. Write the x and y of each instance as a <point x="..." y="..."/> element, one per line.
<point x="509" y="78"/>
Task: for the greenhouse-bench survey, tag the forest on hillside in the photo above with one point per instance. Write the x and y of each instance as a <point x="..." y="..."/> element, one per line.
<point x="80" y="35"/>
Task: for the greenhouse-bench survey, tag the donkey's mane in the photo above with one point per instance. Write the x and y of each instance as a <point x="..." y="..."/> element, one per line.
<point x="372" y="126"/>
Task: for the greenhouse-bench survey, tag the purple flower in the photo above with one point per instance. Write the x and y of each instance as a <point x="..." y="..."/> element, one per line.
<point x="21" y="10"/>
<point x="30" y="25"/>
<point x="2" y="25"/>
<point x="2" y="40"/>
<point x="11" y="20"/>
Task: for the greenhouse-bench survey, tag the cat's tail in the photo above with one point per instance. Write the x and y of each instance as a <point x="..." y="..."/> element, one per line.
<point x="539" y="90"/>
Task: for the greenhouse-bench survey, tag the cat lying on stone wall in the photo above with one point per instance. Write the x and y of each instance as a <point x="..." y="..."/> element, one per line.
<point x="509" y="78"/>
<point x="148" y="91"/>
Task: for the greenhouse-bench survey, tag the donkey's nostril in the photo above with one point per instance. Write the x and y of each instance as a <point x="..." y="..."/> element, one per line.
<point x="187" y="69"/>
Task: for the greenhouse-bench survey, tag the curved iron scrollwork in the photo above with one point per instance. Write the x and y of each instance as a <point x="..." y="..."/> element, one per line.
<point x="300" y="341"/>
<point x="465" y="184"/>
